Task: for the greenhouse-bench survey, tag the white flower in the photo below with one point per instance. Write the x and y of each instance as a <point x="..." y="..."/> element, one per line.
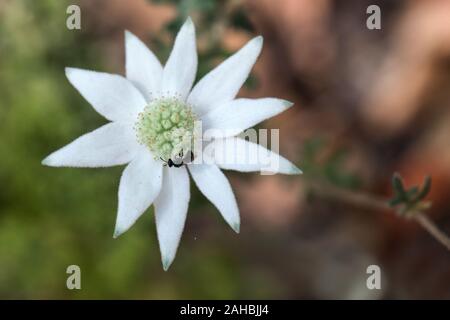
<point x="151" y="113"/>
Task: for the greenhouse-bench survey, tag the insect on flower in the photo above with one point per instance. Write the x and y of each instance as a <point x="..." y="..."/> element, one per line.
<point x="180" y="160"/>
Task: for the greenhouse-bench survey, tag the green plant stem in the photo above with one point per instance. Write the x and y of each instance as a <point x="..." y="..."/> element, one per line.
<point x="374" y="203"/>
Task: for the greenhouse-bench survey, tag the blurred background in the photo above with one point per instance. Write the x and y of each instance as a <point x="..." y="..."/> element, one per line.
<point x="367" y="103"/>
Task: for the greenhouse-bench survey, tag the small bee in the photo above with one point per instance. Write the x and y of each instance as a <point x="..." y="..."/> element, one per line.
<point x="180" y="160"/>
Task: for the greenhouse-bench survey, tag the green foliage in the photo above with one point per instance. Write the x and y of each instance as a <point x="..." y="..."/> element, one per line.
<point x="409" y="200"/>
<point x="330" y="168"/>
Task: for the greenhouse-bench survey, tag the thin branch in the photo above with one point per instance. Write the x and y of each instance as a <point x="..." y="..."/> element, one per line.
<point x="375" y="203"/>
<point x="432" y="229"/>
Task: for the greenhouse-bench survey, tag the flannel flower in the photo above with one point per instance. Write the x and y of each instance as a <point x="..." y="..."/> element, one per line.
<point x="152" y="113"/>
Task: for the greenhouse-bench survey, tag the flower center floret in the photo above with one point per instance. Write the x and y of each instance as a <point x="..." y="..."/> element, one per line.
<point x="166" y="127"/>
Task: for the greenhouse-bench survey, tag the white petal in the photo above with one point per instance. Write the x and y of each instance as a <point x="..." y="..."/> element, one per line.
<point x="143" y="67"/>
<point x="139" y="186"/>
<point x="113" y="96"/>
<point x="237" y="154"/>
<point x="223" y="83"/>
<point x="181" y="67"/>
<point x="216" y="188"/>
<point x="110" y="145"/>
<point x="170" y="211"/>
<point x="233" y="117"/>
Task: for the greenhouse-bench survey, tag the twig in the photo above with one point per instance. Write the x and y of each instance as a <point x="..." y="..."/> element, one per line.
<point x="375" y="203"/>
<point x="432" y="229"/>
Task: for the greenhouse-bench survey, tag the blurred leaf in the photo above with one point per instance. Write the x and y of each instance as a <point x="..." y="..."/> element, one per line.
<point x="425" y="189"/>
<point x="331" y="168"/>
<point x="409" y="201"/>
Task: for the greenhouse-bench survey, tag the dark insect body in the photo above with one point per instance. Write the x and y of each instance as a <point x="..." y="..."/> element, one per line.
<point x="180" y="160"/>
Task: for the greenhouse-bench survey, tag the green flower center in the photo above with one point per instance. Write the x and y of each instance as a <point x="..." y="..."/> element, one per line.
<point x="166" y="127"/>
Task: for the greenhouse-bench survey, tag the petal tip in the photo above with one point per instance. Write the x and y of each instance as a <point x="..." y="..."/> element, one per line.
<point x="68" y="70"/>
<point x="236" y="227"/>
<point x="117" y="233"/>
<point x="121" y="228"/>
<point x="287" y="103"/>
<point x="129" y="36"/>
<point x="48" y="162"/>
<point x="256" y="45"/>
<point x="166" y="263"/>
<point x="294" y="170"/>
<point x="189" y="25"/>
<point x="258" y="41"/>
